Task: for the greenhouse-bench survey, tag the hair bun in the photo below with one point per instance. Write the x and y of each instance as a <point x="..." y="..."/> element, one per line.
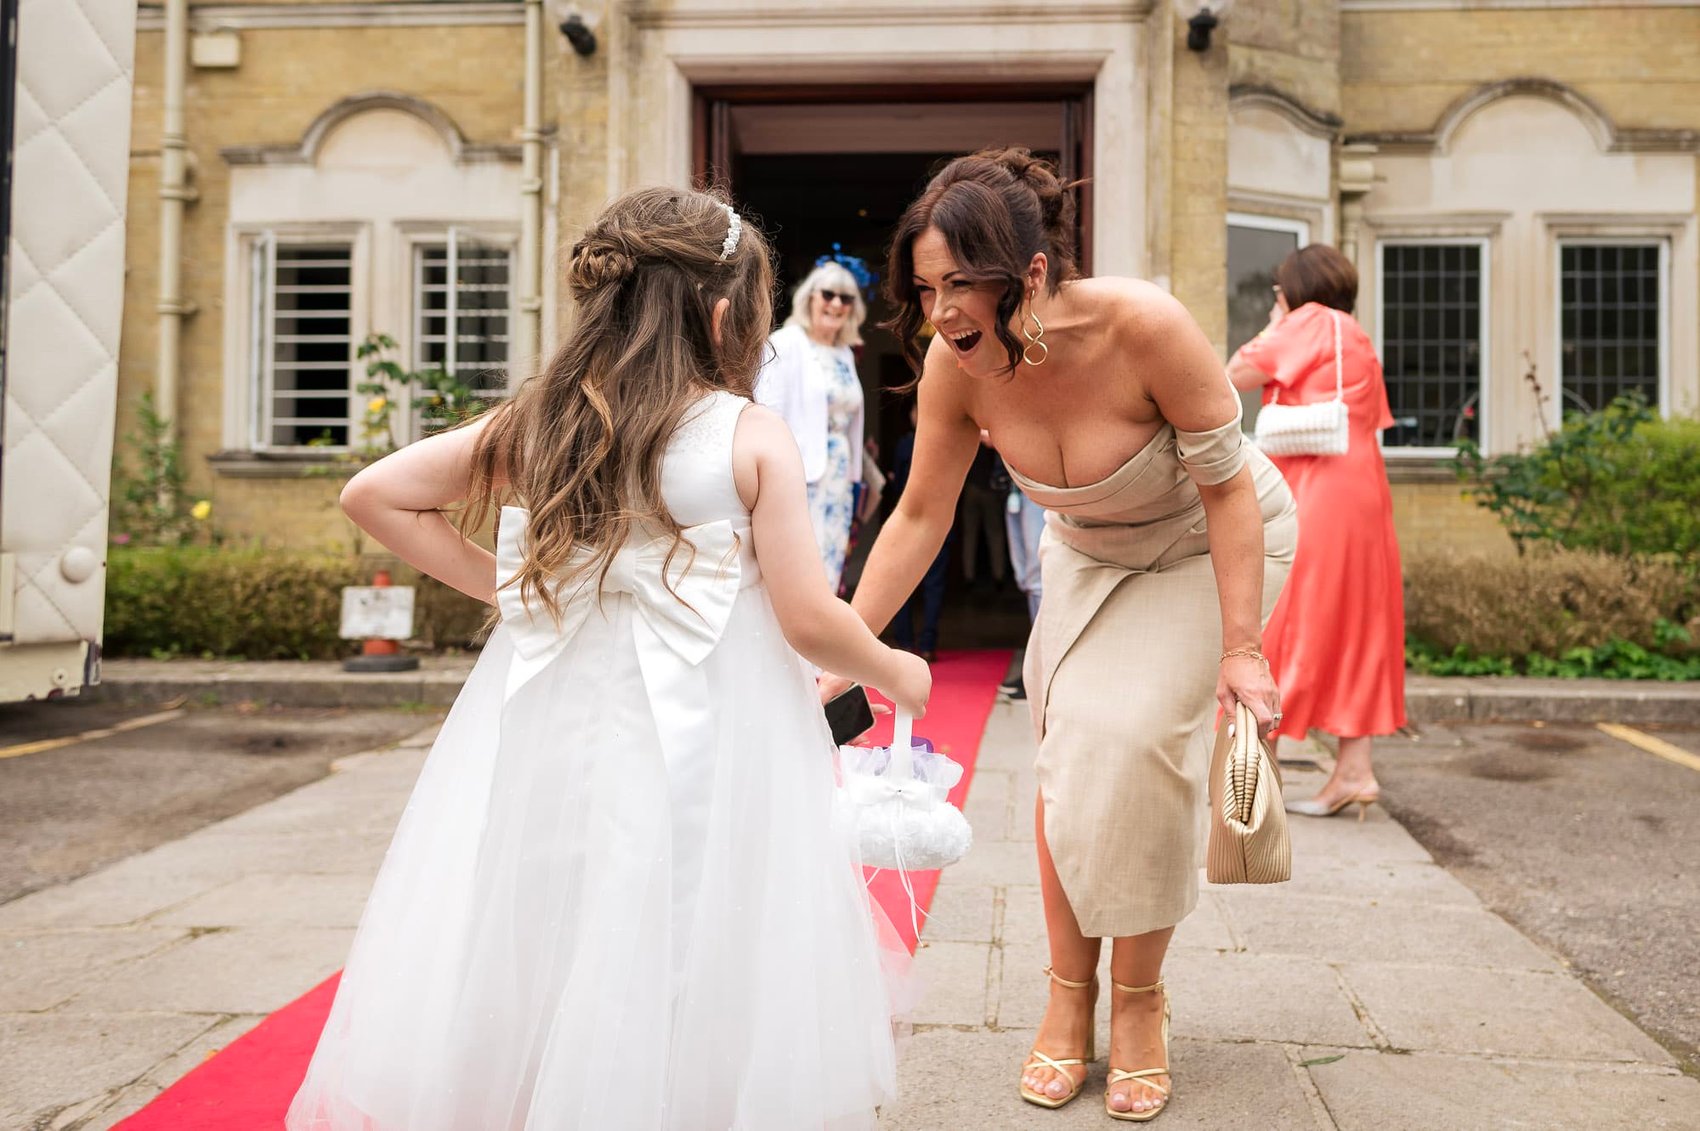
<point x="1041" y="177"/>
<point x="597" y="264"/>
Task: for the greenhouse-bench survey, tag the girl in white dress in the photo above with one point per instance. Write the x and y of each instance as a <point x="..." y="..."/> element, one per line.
<point x="619" y="897"/>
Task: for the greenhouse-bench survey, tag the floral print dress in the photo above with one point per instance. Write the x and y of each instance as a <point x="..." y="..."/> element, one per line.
<point x="832" y="496"/>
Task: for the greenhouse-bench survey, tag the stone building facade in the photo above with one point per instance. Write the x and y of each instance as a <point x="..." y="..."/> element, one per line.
<point x="1516" y="179"/>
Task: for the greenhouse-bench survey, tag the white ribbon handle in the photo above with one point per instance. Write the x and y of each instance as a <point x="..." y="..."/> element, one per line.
<point x="901" y="767"/>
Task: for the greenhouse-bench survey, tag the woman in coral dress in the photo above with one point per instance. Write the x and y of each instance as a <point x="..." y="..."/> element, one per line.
<point x="1336" y="641"/>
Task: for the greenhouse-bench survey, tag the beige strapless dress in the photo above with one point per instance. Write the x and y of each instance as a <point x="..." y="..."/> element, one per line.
<point x="1121" y="671"/>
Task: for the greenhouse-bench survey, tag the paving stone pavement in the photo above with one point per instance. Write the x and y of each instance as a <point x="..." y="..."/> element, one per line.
<point x="1373" y="991"/>
<point x="117" y="984"/>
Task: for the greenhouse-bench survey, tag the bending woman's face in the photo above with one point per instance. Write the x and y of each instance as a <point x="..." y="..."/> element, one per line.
<point x="965" y="314"/>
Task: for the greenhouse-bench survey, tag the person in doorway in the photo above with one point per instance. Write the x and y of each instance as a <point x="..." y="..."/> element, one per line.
<point x="1336" y="641"/>
<point x="1025" y="520"/>
<point x="617" y="898"/>
<point x="930" y="596"/>
<point x="1166" y="546"/>
<point x="983" y="499"/>
<point x="810" y="380"/>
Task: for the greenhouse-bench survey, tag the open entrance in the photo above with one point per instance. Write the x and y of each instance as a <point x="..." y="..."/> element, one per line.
<point x="819" y="166"/>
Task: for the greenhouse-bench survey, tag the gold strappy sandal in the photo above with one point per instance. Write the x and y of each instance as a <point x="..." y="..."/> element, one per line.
<point x="1143" y="1076"/>
<point x="1037" y="1059"/>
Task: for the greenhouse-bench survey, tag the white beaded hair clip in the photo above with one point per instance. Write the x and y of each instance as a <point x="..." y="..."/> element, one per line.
<point x="734" y="229"/>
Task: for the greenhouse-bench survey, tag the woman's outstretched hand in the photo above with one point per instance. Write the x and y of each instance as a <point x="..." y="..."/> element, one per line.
<point x="1246" y="679"/>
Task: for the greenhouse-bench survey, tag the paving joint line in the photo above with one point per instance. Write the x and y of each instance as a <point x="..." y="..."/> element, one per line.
<point x="1313" y="1095"/>
<point x="1376" y="1035"/>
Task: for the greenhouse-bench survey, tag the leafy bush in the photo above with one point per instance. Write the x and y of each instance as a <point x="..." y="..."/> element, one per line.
<point x="255" y="604"/>
<point x="1551" y="612"/>
<point x="1620" y="480"/>
<point x="252" y="603"/>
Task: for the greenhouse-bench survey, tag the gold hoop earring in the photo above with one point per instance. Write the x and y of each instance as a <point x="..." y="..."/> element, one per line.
<point x="1035" y="338"/>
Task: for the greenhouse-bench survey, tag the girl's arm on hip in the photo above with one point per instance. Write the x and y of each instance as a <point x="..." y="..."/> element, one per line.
<point x="400" y="502"/>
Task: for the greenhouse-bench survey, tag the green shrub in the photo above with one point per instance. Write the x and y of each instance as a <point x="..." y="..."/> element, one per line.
<point x="257" y="604"/>
<point x="1551" y="612"/>
<point x="1620" y="480"/>
<point x="252" y="603"/>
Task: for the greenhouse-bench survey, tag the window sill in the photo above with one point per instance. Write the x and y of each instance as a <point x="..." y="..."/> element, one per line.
<point x="282" y="465"/>
<point x="1418" y="469"/>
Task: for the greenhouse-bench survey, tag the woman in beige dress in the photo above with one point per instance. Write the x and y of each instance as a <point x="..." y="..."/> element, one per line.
<point x="1168" y="542"/>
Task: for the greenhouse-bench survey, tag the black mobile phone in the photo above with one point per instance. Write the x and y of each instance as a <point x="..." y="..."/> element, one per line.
<point x="849" y="714"/>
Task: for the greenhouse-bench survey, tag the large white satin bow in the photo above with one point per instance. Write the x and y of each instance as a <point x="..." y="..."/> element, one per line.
<point x="681" y="606"/>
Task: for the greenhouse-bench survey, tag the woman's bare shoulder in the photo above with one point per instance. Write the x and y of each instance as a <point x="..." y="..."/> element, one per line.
<point x="1136" y="307"/>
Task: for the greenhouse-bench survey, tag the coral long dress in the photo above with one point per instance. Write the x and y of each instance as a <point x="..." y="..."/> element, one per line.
<point x="1336" y="641"/>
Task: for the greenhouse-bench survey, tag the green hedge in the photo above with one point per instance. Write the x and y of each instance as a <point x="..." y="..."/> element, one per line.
<point x="1551" y="612"/>
<point x="256" y="604"/>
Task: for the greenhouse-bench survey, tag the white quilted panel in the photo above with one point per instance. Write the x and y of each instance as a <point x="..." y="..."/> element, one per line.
<point x="71" y="159"/>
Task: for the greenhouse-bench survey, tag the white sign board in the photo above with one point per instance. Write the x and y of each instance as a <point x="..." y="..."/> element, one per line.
<point x="385" y="613"/>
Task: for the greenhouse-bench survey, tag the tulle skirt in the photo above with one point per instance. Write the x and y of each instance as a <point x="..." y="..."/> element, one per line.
<point x="568" y="933"/>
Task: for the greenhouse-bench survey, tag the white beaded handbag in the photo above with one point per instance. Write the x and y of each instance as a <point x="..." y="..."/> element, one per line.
<point x="1318" y="429"/>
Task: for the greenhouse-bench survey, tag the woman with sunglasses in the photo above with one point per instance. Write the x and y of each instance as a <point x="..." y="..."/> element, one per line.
<point x="810" y="379"/>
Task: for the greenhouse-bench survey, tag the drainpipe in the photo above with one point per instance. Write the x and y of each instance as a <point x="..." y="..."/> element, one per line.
<point x="174" y="194"/>
<point x="528" y="334"/>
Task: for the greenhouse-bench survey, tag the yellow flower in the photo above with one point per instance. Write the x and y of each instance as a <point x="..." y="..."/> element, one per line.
<point x="201" y="510"/>
<point x="377" y="404"/>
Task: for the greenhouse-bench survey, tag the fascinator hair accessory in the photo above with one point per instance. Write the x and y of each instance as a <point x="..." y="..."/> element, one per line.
<point x="857" y="266"/>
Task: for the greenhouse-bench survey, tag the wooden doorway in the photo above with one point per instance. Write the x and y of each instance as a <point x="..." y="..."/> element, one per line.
<point x="818" y="166"/>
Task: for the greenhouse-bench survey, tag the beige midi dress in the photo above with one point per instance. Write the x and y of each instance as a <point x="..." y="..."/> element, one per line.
<point x="1121" y="671"/>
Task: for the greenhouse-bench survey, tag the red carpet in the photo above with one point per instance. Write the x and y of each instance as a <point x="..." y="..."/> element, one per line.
<point x="248" y="1086"/>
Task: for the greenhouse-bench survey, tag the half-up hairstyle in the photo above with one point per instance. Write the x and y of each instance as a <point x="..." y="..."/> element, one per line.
<point x="996" y="209"/>
<point x="581" y="444"/>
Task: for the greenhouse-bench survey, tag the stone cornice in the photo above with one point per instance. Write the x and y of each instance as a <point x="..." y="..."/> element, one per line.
<point x="306" y="151"/>
<point x="1355" y="6"/>
<point x="1314" y="122"/>
<point x="1610" y="137"/>
<point x="243" y="17"/>
<point x="649" y="14"/>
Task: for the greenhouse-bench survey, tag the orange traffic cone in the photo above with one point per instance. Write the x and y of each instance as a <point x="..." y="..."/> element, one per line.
<point x="378" y="654"/>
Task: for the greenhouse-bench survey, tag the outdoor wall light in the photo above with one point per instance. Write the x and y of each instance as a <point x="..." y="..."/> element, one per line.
<point x="578" y="29"/>
<point x="1205" y="16"/>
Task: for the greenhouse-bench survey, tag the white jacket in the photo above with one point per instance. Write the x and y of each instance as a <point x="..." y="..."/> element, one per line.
<point x="793" y="384"/>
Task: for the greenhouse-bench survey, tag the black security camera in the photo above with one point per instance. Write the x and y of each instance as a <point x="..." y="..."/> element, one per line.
<point x="578" y="34"/>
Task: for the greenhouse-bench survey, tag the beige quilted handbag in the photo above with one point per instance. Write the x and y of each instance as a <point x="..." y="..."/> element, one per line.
<point x="1248" y="825"/>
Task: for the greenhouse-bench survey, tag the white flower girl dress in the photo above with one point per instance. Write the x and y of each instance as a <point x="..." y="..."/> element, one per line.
<point x="619" y="897"/>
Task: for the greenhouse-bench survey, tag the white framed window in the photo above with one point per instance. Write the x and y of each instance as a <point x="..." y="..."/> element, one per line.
<point x="1613" y="321"/>
<point x="304" y="321"/>
<point x="1432" y="322"/>
<point x="462" y="307"/>
<point x="1256" y="246"/>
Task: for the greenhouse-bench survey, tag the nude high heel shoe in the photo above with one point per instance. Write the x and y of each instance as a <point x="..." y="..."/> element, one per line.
<point x="1037" y="1059"/>
<point x="1142" y="1076"/>
<point x="1314" y="808"/>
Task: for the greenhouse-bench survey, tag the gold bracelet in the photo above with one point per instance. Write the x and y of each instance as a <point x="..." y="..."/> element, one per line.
<point x="1249" y="653"/>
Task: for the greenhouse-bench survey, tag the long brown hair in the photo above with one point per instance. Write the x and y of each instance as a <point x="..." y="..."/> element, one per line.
<point x="581" y="444"/>
<point x="996" y="209"/>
